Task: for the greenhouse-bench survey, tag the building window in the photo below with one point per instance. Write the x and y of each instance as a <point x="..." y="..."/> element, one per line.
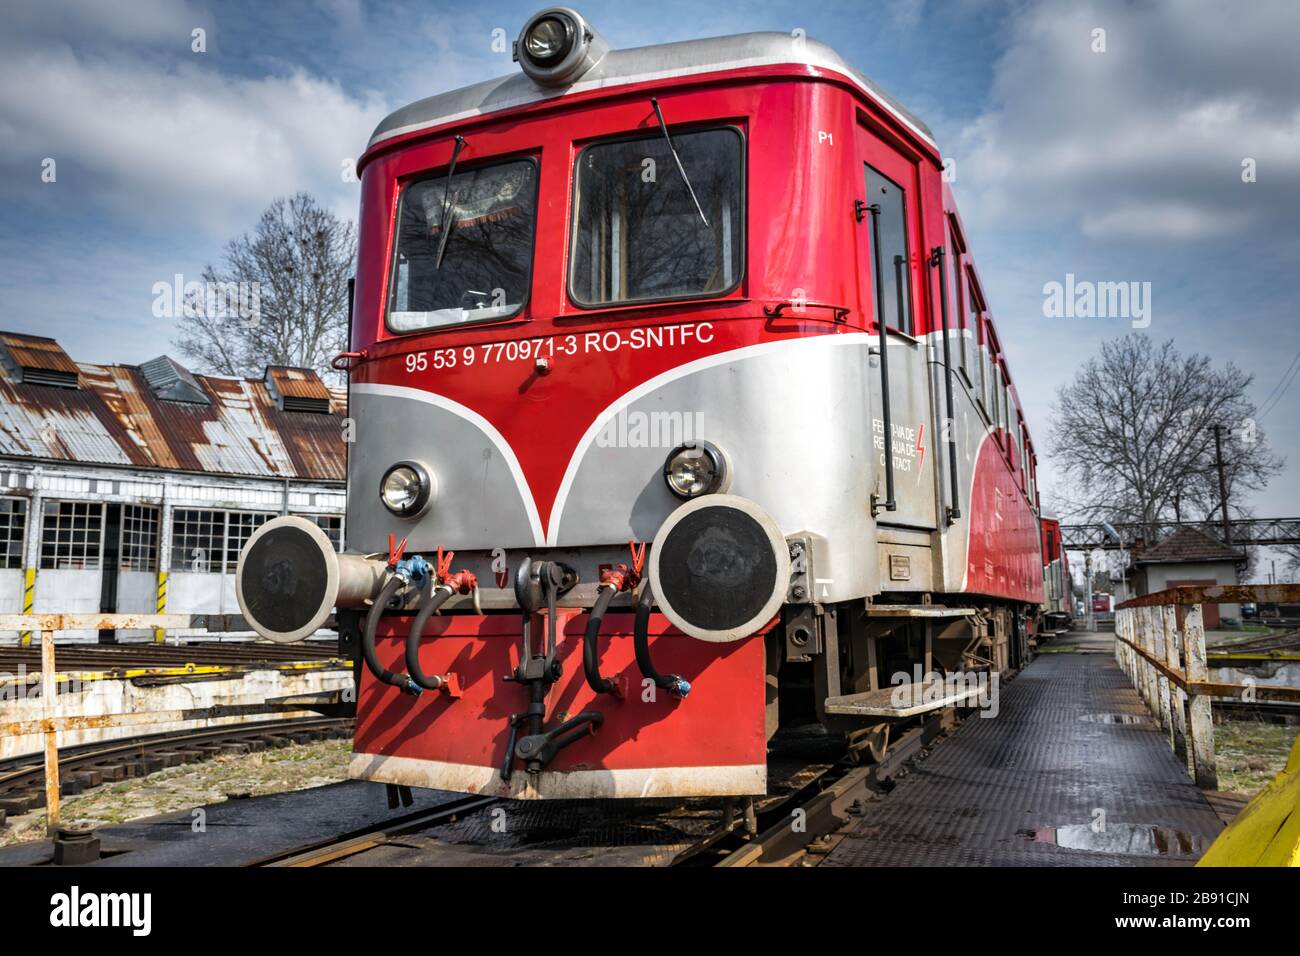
<point x="139" y="542"/>
<point x="197" y="538"/>
<point x="891" y="258"/>
<point x="205" y="541"/>
<point x="332" y="525"/>
<point x="13" y="531"/>
<point x="240" y="526"/>
<point x="72" y="535"/>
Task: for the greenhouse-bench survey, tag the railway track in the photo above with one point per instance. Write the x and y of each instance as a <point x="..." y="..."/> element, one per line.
<point x="1275" y="712"/>
<point x="804" y="825"/>
<point x="22" y="779"/>
<point x="134" y="656"/>
<point x="790" y="829"/>
<point x="333" y="849"/>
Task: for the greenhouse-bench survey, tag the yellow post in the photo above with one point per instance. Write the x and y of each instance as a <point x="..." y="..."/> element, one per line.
<point x="50" y="706"/>
<point x="1267" y="831"/>
<point x="29" y="592"/>
<point x="160" y="634"/>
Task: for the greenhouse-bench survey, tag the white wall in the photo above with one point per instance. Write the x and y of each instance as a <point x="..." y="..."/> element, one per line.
<point x="1223" y="572"/>
<point x="11" y="598"/>
<point x="68" y="592"/>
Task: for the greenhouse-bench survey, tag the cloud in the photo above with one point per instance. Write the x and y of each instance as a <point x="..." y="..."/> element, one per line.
<point x="906" y="14"/>
<point x="140" y="22"/>
<point x="1173" y="218"/>
<point x="1145" y="140"/>
<point x="165" y="139"/>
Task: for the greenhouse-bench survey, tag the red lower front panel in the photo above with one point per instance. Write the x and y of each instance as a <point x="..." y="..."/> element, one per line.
<point x="651" y="744"/>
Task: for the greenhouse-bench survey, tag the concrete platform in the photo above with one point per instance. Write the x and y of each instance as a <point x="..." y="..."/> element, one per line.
<point x="1072" y="772"/>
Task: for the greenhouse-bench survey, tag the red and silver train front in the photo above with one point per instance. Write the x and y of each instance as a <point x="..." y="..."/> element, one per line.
<point x="587" y="472"/>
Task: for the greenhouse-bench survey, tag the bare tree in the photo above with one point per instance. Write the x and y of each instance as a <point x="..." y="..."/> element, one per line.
<point x="288" y="282"/>
<point x="1291" y="562"/>
<point x="1134" y="434"/>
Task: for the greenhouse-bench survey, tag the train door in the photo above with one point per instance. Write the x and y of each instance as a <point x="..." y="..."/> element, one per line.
<point x="891" y="182"/>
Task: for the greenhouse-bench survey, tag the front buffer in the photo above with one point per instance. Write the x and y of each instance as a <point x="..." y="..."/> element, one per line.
<point x="651" y="743"/>
<point x="624" y="699"/>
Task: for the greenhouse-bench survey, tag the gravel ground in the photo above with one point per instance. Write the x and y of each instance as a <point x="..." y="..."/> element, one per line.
<point x="296" y="767"/>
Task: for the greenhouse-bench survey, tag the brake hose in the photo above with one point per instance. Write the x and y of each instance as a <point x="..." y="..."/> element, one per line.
<point x="428" y="604"/>
<point x="382" y="673"/>
<point x="677" y="686"/>
<point x="601" y="685"/>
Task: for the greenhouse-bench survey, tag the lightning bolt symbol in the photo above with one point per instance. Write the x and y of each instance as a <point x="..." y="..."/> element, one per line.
<point x="920" y="437"/>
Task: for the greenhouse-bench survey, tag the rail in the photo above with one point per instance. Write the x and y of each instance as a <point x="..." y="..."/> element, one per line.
<point x="52" y="722"/>
<point x="1166" y="661"/>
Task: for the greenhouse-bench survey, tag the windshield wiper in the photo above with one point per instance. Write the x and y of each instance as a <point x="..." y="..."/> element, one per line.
<point x="445" y="226"/>
<point x="678" y="160"/>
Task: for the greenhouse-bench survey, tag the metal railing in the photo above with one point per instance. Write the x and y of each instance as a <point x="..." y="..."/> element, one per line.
<point x="52" y="722"/>
<point x="1167" y="664"/>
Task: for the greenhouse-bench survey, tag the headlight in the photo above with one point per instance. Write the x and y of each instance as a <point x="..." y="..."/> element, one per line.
<point x="557" y="45"/>
<point x="406" y="489"/>
<point x="696" y="468"/>
<point x="549" y="39"/>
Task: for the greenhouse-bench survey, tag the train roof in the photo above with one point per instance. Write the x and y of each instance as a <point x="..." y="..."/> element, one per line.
<point x="638" y="65"/>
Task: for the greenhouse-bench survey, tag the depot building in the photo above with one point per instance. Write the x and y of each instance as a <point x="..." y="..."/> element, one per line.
<point x="129" y="488"/>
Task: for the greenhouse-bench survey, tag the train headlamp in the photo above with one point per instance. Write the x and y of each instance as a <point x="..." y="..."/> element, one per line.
<point x="406" y="489"/>
<point x="549" y="39"/>
<point x="557" y="46"/>
<point x="696" y="468"/>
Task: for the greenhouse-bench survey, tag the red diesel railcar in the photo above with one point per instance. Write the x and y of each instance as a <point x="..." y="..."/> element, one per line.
<point x="679" y="417"/>
<point x="1058" y="588"/>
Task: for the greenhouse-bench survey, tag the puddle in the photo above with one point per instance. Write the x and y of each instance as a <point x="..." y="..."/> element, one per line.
<point x="1115" y="719"/>
<point x="1132" y="839"/>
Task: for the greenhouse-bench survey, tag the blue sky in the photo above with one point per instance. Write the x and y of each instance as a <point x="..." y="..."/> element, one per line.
<point x="1122" y="165"/>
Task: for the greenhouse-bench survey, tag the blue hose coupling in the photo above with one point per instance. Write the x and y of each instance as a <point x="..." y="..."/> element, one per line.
<point x="681" y="687"/>
<point x="412" y="688"/>
<point x="413" y="570"/>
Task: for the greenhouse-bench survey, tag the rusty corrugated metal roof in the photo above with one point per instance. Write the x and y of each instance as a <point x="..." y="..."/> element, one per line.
<point x="297" y="382"/>
<point x="116" y="419"/>
<point x="35" y="351"/>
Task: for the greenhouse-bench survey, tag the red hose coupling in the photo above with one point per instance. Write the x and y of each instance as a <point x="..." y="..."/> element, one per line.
<point x="462" y="581"/>
<point x="622" y="577"/>
<point x="619" y="577"/>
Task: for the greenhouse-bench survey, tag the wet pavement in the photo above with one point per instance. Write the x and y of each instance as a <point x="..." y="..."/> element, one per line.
<point x="1071" y="772"/>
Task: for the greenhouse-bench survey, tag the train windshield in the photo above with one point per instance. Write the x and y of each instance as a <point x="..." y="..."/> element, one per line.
<point x="464" y="247"/>
<point x="638" y="234"/>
